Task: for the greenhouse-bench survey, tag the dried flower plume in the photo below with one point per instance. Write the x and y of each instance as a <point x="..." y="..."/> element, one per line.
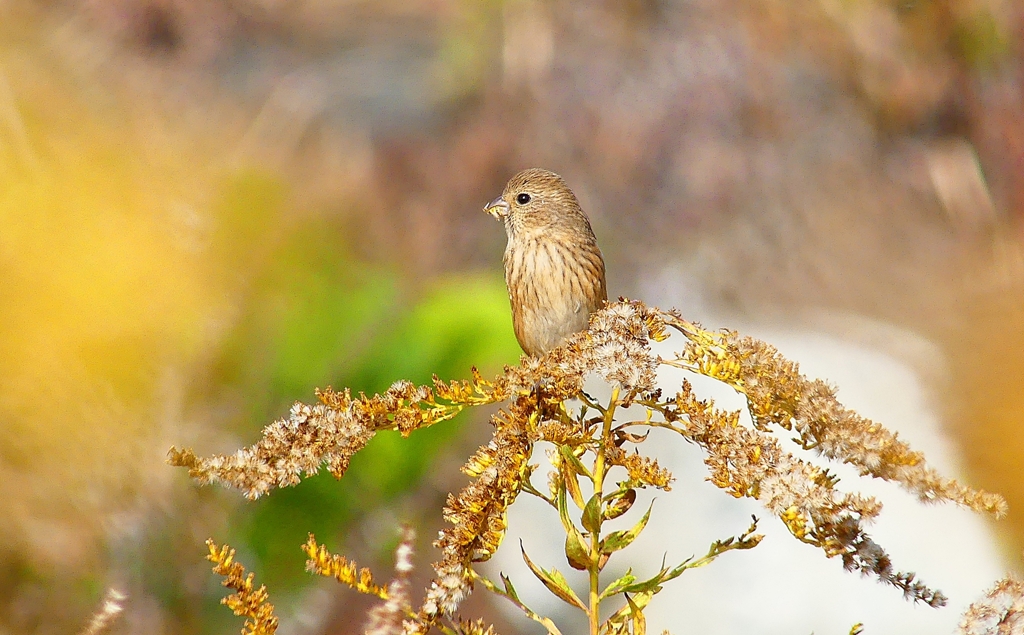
<point x="545" y="402"/>
<point x="246" y="600"/>
<point x="323" y="562"/>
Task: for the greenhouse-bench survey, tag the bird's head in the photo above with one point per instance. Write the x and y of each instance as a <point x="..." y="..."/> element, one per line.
<point x="535" y="199"/>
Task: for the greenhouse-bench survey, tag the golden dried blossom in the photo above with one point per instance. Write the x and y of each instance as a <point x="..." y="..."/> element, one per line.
<point x="246" y="600"/>
<point x="642" y="470"/>
<point x="322" y="562"/>
<point x="476" y="627"/>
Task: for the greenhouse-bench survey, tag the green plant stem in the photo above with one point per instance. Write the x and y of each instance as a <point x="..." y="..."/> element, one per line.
<point x="595" y="537"/>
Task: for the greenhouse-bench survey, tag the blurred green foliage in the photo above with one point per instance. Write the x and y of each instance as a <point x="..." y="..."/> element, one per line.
<point x="315" y="316"/>
<point x="979" y="40"/>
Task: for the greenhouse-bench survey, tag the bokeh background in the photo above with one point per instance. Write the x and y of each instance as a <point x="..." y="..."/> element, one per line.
<point x="210" y="207"/>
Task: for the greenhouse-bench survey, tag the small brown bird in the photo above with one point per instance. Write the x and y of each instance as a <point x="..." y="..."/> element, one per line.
<point x="553" y="268"/>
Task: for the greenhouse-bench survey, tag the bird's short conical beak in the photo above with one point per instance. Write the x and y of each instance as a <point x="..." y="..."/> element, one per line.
<point x="497" y="208"/>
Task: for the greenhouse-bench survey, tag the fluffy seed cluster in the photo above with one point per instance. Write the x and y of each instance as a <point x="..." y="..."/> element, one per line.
<point x="327" y="433"/>
<point x="999" y="612"/>
<point x="616" y="347"/>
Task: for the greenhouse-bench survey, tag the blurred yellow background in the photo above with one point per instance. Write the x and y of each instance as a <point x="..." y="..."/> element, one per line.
<point x="209" y="208"/>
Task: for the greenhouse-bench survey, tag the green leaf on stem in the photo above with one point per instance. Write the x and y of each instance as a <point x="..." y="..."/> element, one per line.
<point x="576" y="553"/>
<point x="653" y="584"/>
<point x="573" y="486"/>
<point x="635" y="605"/>
<point x="618" y="503"/>
<point x="621" y="539"/>
<point x="618" y="585"/>
<point x="509" y="589"/>
<point x="555" y="582"/>
<point x="576" y="550"/>
<point x="637" y="617"/>
<point x="592" y="514"/>
<point x="746" y="540"/>
<point x="570" y="457"/>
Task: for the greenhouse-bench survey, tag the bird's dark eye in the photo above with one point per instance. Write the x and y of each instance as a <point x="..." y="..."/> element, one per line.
<point x="523" y="198"/>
